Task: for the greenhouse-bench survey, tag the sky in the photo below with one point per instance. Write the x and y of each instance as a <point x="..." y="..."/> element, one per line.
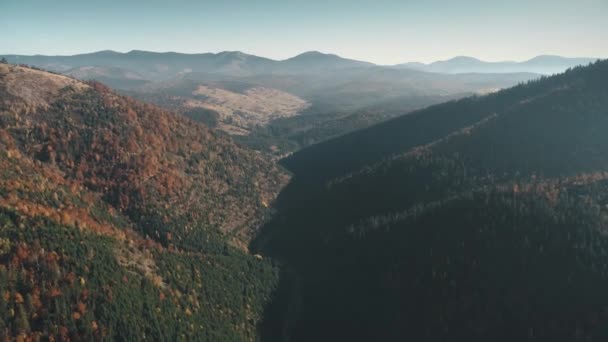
<point x="380" y="31"/>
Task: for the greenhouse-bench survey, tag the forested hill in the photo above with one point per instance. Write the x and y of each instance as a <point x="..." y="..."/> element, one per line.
<point x="119" y="220"/>
<point x="356" y="150"/>
<point x="477" y="220"/>
<point x="144" y="160"/>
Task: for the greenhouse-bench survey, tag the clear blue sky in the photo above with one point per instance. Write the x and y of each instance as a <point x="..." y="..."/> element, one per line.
<point x="380" y="31"/>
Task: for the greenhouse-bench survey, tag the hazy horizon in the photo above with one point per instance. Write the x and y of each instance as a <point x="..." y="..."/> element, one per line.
<point x="383" y="32"/>
<point x="302" y="52"/>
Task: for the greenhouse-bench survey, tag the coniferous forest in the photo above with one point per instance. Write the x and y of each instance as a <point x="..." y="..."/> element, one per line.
<point x="482" y="219"/>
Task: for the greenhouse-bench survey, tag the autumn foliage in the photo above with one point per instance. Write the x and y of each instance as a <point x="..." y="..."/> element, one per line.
<point x="110" y="208"/>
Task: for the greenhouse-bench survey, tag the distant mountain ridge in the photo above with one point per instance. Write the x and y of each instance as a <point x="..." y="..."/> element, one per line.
<point x="543" y="64"/>
<point x="163" y="65"/>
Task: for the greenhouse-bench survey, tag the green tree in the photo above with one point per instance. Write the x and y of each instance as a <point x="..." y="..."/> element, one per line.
<point x="22" y="322"/>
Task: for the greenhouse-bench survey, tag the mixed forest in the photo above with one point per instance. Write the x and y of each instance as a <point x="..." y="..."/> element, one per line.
<point x="478" y="219"/>
<point x="122" y="221"/>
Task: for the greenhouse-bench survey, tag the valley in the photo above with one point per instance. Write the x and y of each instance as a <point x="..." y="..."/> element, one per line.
<point x="230" y="197"/>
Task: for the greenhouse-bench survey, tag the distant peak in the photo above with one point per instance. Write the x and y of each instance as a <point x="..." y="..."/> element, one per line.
<point x="548" y="56"/>
<point x="545" y="57"/>
<point x="106" y="52"/>
<point x="313" y="55"/>
<point x="133" y="52"/>
<point x="463" y="59"/>
<point x="231" y="53"/>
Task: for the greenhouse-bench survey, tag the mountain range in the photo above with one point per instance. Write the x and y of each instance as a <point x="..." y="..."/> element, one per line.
<point x="544" y="64"/>
<point x="163" y="65"/>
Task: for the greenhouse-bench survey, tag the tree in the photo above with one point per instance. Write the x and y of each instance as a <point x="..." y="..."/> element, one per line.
<point x="22" y="322"/>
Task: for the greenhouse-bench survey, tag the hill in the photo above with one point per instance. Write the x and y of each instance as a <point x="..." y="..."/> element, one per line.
<point x="120" y="219"/>
<point x="478" y="219"/>
<point x="315" y="61"/>
<point x="365" y="147"/>
<point x="233" y="107"/>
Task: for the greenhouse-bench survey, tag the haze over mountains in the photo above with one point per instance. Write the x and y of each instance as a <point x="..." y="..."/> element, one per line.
<point x="274" y="106"/>
<point x="544" y="64"/>
<point x="163" y="65"/>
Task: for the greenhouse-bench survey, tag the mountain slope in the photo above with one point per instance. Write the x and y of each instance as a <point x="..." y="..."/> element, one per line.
<point x="128" y="149"/>
<point x="236" y="107"/>
<point x="356" y="150"/>
<point x="117" y="78"/>
<point x="122" y="220"/>
<point x="480" y="219"/>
